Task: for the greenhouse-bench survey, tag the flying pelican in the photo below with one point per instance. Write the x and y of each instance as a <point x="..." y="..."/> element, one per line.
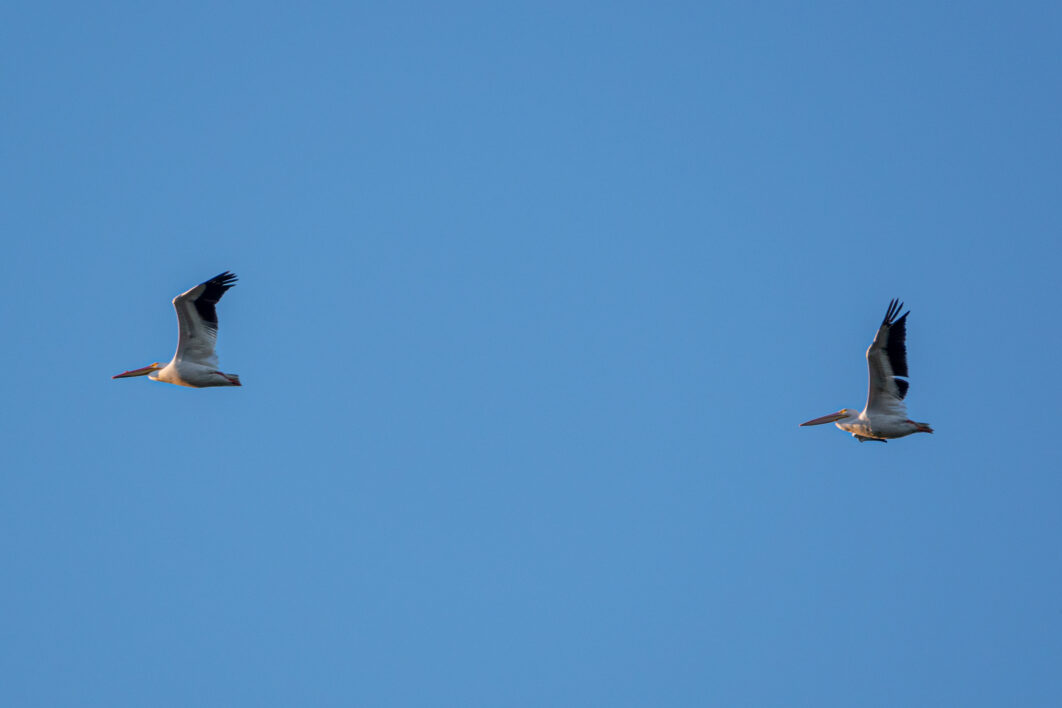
<point x="885" y="416"/>
<point x="195" y="364"/>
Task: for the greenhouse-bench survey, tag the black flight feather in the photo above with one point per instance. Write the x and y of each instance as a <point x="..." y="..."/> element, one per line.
<point x="215" y="288"/>
<point x="896" y="349"/>
<point x="902" y="386"/>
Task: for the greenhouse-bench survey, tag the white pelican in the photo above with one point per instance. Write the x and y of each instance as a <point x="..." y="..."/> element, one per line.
<point x="195" y="364"/>
<point x="885" y="416"/>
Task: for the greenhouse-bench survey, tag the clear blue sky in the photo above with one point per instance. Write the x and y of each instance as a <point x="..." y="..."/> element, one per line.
<point x="532" y="299"/>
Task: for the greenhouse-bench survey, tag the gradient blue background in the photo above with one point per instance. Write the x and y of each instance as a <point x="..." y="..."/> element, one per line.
<point x="532" y="299"/>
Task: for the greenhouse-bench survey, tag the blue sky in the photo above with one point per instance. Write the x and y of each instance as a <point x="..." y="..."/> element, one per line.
<point x="532" y="299"/>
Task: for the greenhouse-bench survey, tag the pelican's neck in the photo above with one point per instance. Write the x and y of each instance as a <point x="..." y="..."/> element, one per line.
<point x="850" y="417"/>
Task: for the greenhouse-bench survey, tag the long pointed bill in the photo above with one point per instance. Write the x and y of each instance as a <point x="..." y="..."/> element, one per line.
<point x="832" y="417"/>
<point x="136" y="372"/>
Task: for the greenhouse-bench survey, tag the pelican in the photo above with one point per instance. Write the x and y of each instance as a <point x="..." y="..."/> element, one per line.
<point x="195" y="364"/>
<point x="885" y="415"/>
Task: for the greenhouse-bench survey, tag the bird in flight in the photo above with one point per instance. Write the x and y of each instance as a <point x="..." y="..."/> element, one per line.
<point x="195" y="364"/>
<point x="885" y="415"/>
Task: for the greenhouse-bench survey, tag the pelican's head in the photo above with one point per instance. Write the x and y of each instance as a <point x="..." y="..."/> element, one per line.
<point x="150" y="368"/>
<point x="833" y="417"/>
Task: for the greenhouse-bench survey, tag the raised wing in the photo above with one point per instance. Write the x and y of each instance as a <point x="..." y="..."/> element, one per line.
<point x="197" y="319"/>
<point x="886" y="360"/>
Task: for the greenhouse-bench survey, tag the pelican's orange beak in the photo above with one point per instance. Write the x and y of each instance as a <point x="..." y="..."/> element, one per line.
<point x="137" y="372"/>
<point x="832" y="417"/>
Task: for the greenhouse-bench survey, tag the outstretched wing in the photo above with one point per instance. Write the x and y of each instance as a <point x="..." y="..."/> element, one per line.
<point x="887" y="360"/>
<point x="197" y="319"/>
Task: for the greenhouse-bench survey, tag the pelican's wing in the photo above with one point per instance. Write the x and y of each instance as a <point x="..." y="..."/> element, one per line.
<point x="886" y="360"/>
<point x="197" y="319"/>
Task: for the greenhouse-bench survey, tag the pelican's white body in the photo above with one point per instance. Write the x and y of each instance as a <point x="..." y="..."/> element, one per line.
<point x="193" y="374"/>
<point x="878" y="426"/>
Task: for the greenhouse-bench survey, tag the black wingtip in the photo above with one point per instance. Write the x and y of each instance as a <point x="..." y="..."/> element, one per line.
<point x="895" y="338"/>
<point x="895" y="305"/>
<point x="212" y="291"/>
<point x="225" y="280"/>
